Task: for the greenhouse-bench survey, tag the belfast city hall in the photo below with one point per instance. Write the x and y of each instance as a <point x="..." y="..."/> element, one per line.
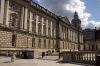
<point x="25" y="24"/>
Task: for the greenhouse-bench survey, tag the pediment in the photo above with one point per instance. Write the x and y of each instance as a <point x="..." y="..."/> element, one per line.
<point x="65" y="19"/>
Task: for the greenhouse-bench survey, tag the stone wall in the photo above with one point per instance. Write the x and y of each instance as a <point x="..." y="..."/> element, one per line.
<point x="5" y="38"/>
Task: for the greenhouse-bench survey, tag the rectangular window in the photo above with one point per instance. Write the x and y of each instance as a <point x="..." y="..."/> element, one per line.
<point x="40" y="18"/>
<point x="62" y="28"/>
<point x="33" y="16"/>
<point x="33" y="42"/>
<point x="44" y="43"/>
<point x="39" y="43"/>
<point x="13" y="40"/>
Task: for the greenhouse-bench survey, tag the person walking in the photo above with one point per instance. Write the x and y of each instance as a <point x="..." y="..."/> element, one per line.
<point x="13" y="56"/>
<point x="43" y="54"/>
<point x="59" y="55"/>
<point x="7" y="54"/>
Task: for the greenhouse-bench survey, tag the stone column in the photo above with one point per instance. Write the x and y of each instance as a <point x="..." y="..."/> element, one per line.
<point x="47" y="28"/>
<point x="22" y="17"/>
<point x="42" y="26"/>
<point x="65" y="33"/>
<point x="2" y="4"/>
<point x="36" y="23"/>
<point x="82" y="38"/>
<point x="25" y="18"/>
<point x="51" y="28"/>
<point x="59" y="30"/>
<point x="7" y="13"/>
<point x="54" y="30"/>
<point x="68" y="34"/>
<point x="75" y="36"/>
<point x="30" y="25"/>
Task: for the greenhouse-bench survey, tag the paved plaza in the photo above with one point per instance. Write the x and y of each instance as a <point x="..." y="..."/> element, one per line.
<point x="49" y="61"/>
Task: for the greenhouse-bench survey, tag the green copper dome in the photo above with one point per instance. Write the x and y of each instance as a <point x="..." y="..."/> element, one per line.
<point x="75" y="14"/>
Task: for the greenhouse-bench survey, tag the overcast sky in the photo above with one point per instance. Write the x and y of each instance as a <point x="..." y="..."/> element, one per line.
<point x="88" y="10"/>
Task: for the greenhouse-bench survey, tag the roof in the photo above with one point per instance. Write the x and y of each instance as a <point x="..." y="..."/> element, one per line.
<point x="75" y="14"/>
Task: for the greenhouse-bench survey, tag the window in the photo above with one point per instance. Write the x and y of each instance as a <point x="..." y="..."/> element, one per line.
<point x="49" y="23"/>
<point x="49" y="44"/>
<point x="44" y="30"/>
<point x="13" y="40"/>
<point x="13" y="21"/>
<point x="39" y="28"/>
<point x="44" y="43"/>
<point x="33" y="42"/>
<point x="62" y="28"/>
<point x="49" y="32"/>
<point x="63" y="45"/>
<point x="33" y="27"/>
<point x="44" y="21"/>
<point x="33" y="16"/>
<point x="53" y="45"/>
<point x="28" y="25"/>
<point x="40" y="18"/>
<point x="39" y="43"/>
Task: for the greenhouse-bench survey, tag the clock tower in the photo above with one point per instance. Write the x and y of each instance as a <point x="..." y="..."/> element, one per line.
<point x="76" y="22"/>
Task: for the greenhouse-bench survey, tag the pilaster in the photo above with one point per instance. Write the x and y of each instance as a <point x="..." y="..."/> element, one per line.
<point x="36" y="23"/>
<point x="2" y="4"/>
<point x="42" y="26"/>
<point x="51" y="29"/>
<point x="7" y="13"/>
<point x="22" y="17"/>
<point x="25" y="18"/>
<point x="47" y="27"/>
<point x="30" y="27"/>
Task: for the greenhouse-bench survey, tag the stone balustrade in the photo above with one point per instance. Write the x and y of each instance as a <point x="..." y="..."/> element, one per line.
<point x="88" y="57"/>
<point x="43" y="9"/>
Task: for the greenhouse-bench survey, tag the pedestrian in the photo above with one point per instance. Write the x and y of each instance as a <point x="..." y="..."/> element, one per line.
<point x="7" y="54"/>
<point x="43" y="54"/>
<point x="13" y="56"/>
<point x="52" y="51"/>
<point x="59" y="55"/>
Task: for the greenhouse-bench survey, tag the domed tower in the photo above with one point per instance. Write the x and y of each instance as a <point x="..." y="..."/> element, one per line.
<point x="76" y="22"/>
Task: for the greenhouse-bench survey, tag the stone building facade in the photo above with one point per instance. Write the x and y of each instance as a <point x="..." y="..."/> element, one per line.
<point x="27" y="25"/>
<point x="91" y="38"/>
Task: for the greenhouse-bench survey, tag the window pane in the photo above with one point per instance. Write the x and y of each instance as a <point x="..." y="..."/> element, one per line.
<point x="13" y="21"/>
<point x="13" y="40"/>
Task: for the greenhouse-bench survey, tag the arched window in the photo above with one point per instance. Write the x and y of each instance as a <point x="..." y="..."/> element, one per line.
<point x="13" y="20"/>
<point x="33" y="27"/>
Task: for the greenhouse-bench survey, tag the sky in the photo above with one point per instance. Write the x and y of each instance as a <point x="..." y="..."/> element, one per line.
<point x="88" y="10"/>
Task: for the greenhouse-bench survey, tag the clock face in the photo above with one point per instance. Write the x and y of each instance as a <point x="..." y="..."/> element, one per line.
<point x="14" y="6"/>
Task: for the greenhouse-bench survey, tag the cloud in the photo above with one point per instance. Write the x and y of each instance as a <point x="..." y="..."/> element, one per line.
<point x="67" y="8"/>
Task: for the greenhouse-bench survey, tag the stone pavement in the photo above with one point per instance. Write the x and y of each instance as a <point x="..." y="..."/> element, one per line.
<point x="34" y="62"/>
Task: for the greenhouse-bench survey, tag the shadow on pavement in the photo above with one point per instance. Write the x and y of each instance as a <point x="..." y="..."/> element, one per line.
<point x="7" y="62"/>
